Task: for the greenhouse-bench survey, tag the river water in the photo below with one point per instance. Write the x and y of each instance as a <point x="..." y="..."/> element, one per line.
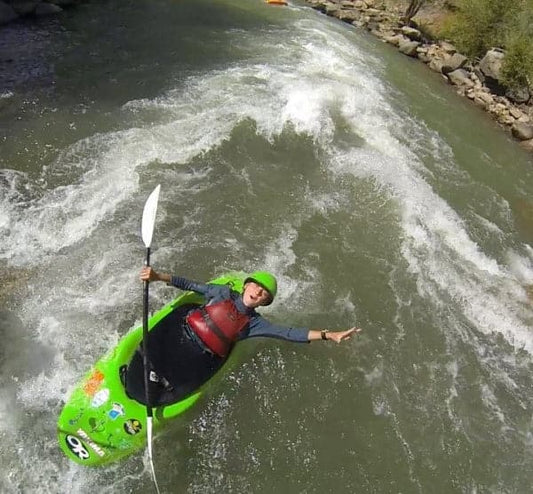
<point x="283" y="140"/>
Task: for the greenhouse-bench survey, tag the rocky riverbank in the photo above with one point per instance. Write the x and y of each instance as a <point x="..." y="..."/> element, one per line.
<point x="478" y="81"/>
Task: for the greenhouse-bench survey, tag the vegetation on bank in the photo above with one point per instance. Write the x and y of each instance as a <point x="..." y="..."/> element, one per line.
<point x="476" y="26"/>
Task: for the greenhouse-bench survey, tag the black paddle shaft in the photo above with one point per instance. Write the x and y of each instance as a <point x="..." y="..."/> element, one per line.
<point x="146" y="360"/>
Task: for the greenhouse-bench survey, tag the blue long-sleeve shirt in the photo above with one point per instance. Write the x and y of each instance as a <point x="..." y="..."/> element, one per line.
<point x="258" y="326"/>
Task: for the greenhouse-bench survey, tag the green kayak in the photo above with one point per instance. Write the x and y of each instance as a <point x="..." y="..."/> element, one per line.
<point x="105" y="418"/>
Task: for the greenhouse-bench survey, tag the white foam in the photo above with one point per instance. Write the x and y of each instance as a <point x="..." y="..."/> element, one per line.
<point x="436" y="244"/>
<point x="489" y="225"/>
<point x="521" y="267"/>
<point x="491" y="402"/>
<point x="187" y="122"/>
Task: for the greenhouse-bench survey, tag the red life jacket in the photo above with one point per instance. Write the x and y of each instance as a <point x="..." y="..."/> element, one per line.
<point x="218" y="325"/>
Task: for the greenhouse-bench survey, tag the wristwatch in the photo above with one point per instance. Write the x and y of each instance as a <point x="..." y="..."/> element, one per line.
<point x="323" y="334"/>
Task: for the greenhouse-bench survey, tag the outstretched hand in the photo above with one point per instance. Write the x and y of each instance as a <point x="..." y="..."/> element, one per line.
<point x="338" y="336"/>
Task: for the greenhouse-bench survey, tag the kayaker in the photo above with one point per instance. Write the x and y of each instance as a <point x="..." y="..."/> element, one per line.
<point x="229" y="316"/>
<point x="185" y="355"/>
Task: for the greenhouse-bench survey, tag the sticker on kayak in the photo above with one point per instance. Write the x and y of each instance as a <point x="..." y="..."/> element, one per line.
<point x="97" y="425"/>
<point x="75" y="419"/>
<point x="132" y="426"/>
<point x="76" y="447"/>
<point x="116" y="411"/>
<point x="100" y="398"/>
<point x="97" y="449"/>
<point x="93" y="383"/>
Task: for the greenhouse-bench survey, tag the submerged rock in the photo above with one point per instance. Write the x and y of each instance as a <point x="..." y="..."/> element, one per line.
<point x="522" y="131"/>
<point x="454" y="62"/>
<point x="409" y="47"/>
<point x="528" y="146"/>
<point x="460" y="77"/>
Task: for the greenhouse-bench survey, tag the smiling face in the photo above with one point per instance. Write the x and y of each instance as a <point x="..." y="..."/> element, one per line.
<point x="255" y="295"/>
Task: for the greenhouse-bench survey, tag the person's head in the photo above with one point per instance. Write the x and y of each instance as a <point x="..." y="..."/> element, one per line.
<point x="260" y="288"/>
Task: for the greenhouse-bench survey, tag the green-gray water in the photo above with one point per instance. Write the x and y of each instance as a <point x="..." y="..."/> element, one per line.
<point x="283" y="140"/>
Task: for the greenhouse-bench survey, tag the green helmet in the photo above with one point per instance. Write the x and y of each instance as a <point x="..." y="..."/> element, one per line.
<point x="266" y="280"/>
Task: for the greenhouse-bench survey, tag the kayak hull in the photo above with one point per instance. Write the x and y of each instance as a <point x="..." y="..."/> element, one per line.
<point x="100" y="423"/>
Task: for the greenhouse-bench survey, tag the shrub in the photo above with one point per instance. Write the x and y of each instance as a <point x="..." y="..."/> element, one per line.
<point x="482" y="24"/>
<point x="517" y="69"/>
<point x="479" y="25"/>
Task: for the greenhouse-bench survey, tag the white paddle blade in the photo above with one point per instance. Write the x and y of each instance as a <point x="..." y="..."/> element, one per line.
<point x="150" y="457"/>
<point x="148" y="221"/>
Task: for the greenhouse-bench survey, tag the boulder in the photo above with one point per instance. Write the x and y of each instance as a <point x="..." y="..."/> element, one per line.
<point x="412" y="33"/>
<point x="423" y="57"/>
<point x="487" y="98"/>
<point x="374" y="13"/>
<point x="506" y="119"/>
<point x="453" y="62"/>
<point x="331" y="8"/>
<point x="435" y="64"/>
<point x="347" y="15"/>
<point x="519" y="96"/>
<point x="372" y="26"/>
<point x="394" y="39"/>
<point x="491" y="66"/>
<point x="516" y="113"/>
<point x="527" y="145"/>
<point x="491" y="63"/>
<point x="7" y="14"/>
<point x="480" y="102"/>
<point x="460" y="77"/>
<point x="409" y="47"/>
<point x="522" y="131"/>
<point x="323" y="6"/>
